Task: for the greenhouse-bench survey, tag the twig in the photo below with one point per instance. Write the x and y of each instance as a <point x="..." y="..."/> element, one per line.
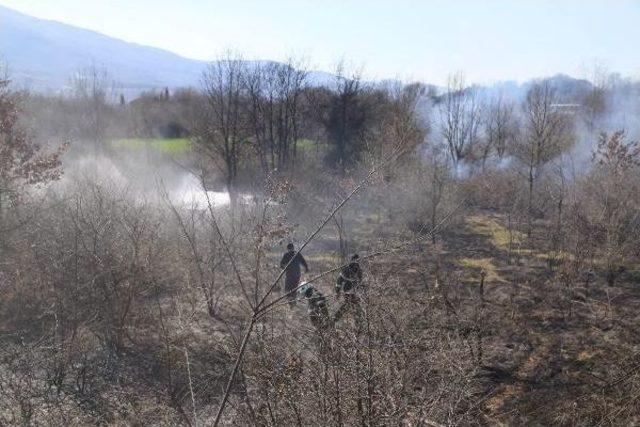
<point x="232" y="377"/>
<point x="193" y="400"/>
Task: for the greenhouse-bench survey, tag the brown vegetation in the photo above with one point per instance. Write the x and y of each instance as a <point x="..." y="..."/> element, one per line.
<point x="500" y="284"/>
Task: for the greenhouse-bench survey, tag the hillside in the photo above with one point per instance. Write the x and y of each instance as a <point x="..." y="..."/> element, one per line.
<point x="42" y="55"/>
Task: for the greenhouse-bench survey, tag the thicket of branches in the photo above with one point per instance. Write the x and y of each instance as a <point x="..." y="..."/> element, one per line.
<point x="120" y="305"/>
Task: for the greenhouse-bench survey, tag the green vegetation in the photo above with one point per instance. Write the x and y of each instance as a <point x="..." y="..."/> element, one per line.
<point x="171" y="146"/>
<point x="307" y="144"/>
<point x="182" y="145"/>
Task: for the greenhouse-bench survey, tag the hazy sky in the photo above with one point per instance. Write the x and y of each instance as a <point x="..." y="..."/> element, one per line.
<point x="488" y="40"/>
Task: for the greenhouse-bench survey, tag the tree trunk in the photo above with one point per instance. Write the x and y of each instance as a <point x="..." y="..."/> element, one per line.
<point x="530" y="203"/>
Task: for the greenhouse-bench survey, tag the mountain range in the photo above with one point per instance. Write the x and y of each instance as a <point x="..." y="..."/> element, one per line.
<point x="43" y="56"/>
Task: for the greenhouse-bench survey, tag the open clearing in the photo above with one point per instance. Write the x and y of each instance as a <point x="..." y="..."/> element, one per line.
<point x="170" y="146"/>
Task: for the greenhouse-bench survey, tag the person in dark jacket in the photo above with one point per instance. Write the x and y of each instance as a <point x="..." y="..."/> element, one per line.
<point x="350" y="277"/>
<point x="292" y="264"/>
<point x="318" y="310"/>
<point x="317" y="307"/>
<point x="347" y="284"/>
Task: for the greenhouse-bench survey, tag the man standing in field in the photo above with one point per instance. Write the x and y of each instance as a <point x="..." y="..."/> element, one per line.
<point x="348" y="282"/>
<point x="292" y="262"/>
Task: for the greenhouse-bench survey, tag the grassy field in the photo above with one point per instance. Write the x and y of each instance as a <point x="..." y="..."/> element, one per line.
<point x="171" y="146"/>
<point x="306" y="144"/>
<point x="182" y="145"/>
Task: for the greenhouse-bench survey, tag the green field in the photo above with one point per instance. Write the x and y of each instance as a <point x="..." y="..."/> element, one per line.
<point x="183" y="145"/>
<point x="171" y="146"/>
<point x="309" y="145"/>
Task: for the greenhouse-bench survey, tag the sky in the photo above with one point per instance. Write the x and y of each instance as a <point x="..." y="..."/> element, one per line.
<point x="487" y="40"/>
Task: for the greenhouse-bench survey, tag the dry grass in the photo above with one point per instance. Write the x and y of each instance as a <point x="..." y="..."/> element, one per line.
<point x="324" y="259"/>
<point x="485" y="264"/>
<point x="558" y="256"/>
<point x="498" y="234"/>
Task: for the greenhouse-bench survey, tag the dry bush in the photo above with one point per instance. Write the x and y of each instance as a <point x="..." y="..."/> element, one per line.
<point x="405" y="366"/>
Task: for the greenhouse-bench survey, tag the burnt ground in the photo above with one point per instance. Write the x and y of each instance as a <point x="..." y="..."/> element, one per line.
<point x="553" y="350"/>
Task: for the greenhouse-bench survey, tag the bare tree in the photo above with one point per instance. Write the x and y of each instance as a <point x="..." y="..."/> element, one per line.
<point x="346" y="113"/>
<point x="610" y="203"/>
<point x="275" y="90"/>
<point x="221" y="129"/>
<point x="500" y="128"/>
<point x="94" y="91"/>
<point x="595" y="101"/>
<point x="547" y="132"/>
<point x="438" y="176"/>
<point x="460" y="117"/>
<point x="400" y="123"/>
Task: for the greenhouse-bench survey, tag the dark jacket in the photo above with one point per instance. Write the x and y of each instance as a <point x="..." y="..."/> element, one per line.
<point x="317" y="303"/>
<point x="349" y="278"/>
<point x="293" y="270"/>
<point x="318" y="309"/>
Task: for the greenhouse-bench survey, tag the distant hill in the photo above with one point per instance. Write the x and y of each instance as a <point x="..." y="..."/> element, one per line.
<point x="43" y="55"/>
<point x="568" y="89"/>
